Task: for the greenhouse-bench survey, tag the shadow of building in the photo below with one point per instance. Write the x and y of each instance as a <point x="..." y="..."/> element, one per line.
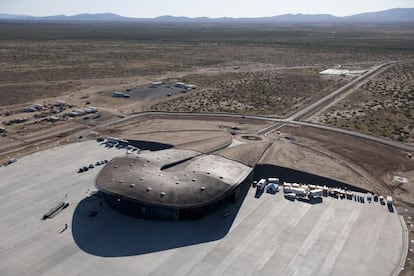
<point x="111" y="234"/>
<point x="108" y="233"/>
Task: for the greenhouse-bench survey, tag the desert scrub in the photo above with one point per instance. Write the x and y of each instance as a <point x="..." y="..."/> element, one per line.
<point x="270" y="92"/>
<point x="381" y="107"/>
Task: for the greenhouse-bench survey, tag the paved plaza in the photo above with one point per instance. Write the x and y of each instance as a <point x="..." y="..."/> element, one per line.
<point x="259" y="236"/>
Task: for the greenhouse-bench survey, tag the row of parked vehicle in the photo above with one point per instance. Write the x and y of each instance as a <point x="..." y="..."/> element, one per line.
<point x="91" y="166"/>
<point x="294" y="191"/>
<point x="314" y="193"/>
<point x="382" y="200"/>
<point x="269" y="185"/>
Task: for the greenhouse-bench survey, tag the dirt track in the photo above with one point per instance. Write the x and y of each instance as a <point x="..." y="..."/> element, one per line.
<point x="375" y="162"/>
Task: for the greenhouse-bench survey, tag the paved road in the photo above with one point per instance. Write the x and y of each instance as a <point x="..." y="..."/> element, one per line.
<point x="279" y="123"/>
<point x="335" y="93"/>
<point x="312" y="107"/>
<point x="172" y="114"/>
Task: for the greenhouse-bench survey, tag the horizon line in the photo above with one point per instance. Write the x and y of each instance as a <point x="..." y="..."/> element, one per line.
<point x="196" y="17"/>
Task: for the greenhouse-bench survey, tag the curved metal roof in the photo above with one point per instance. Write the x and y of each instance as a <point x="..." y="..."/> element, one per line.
<point x="196" y="181"/>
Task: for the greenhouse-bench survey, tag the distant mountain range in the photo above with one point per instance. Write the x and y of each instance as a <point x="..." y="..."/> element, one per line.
<point x="392" y="15"/>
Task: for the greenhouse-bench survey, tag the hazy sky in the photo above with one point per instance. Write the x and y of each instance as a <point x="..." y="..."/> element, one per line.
<point x="193" y="8"/>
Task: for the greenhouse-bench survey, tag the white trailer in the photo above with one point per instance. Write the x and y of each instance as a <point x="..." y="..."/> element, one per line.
<point x="180" y="84"/>
<point x="298" y="191"/>
<point x="261" y="185"/>
<point x="315" y="193"/>
<point x="156" y="84"/>
<point x="117" y="94"/>
<point x="306" y="187"/>
<point x="38" y="106"/>
<point x="274" y="180"/>
<point x="190" y="86"/>
<point x="287" y="188"/>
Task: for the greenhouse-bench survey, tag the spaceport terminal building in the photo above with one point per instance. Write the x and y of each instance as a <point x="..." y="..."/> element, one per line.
<point x="171" y="184"/>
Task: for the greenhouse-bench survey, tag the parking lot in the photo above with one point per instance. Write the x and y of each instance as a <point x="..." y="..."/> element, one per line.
<point x="261" y="236"/>
<point x="149" y="93"/>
